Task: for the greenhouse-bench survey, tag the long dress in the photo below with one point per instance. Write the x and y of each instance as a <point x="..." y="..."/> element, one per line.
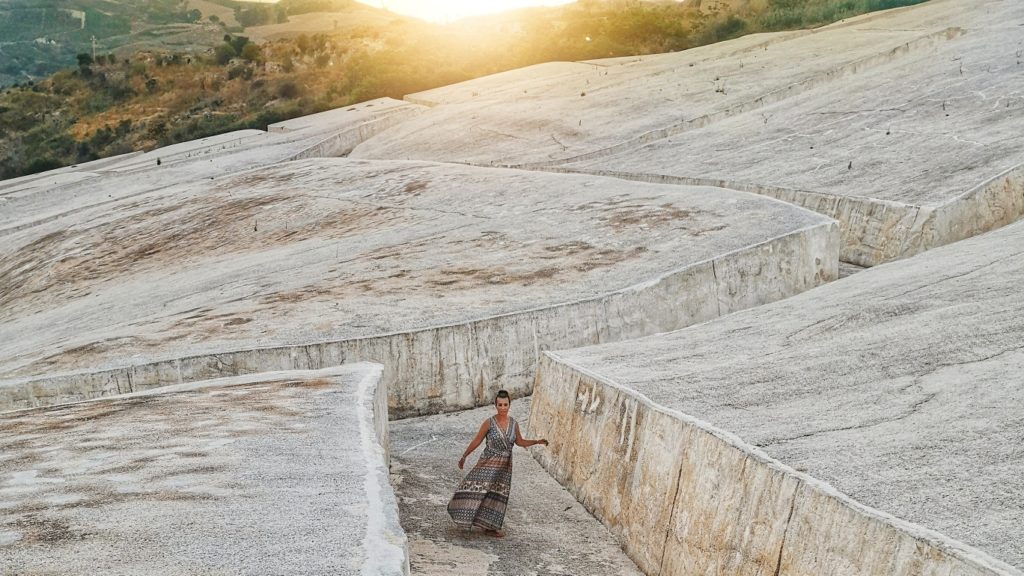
<point x="482" y="495"/>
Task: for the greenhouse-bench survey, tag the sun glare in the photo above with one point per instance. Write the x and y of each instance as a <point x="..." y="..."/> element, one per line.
<point x="450" y="10"/>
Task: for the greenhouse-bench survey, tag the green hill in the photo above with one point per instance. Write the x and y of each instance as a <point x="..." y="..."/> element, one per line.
<point x="39" y="37"/>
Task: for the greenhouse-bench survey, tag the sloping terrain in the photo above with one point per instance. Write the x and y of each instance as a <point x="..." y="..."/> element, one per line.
<point x="901" y="125"/>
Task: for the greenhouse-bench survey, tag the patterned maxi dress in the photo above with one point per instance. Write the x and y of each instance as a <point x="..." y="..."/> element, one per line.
<point x="482" y="495"/>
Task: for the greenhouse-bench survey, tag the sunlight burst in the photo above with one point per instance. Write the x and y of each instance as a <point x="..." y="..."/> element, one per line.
<point x="451" y="10"/>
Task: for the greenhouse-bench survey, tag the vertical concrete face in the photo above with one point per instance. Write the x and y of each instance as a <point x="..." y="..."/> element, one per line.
<point x="829" y="536"/>
<point x="729" y="514"/>
<point x="628" y="475"/>
<point x="685" y="498"/>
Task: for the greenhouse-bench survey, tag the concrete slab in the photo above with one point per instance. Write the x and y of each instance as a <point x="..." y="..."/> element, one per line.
<point x="551" y="113"/>
<point x="870" y="426"/>
<point x="902" y="125"/>
<point x="270" y="474"/>
<point x="349" y="117"/>
<point x="455" y="276"/>
<point x="930" y="139"/>
<point x="46" y="197"/>
<point x="547" y="532"/>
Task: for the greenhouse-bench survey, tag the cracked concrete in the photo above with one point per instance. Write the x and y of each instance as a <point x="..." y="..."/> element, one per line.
<point x="456" y="275"/>
<point x="897" y="386"/>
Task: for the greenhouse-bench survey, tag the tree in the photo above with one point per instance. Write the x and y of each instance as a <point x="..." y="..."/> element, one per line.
<point x="84" y="63"/>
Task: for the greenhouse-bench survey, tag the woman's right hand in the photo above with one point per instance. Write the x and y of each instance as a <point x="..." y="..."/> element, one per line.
<point x="461" y="462"/>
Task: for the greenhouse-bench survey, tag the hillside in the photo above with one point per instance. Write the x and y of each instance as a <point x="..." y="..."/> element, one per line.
<point x="149" y="96"/>
<point x="43" y="36"/>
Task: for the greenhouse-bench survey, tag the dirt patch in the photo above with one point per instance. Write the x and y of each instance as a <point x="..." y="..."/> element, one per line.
<point x="414" y="187"/>
<point x="643" y="215"/>
<point x="65" y="264"/>
<point x="192" y="470"/>
<point x="40" y="529"/>
<point x="579" y="257"/>
<point x="568" y="249"/>
<point x="311" y="383"/>
<point x="89" y="354"/>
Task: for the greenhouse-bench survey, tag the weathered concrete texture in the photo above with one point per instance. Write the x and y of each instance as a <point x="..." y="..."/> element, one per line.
<point x="556" y="112"/>
<point x="454" y="277"/>
<point x="902" y="125"/>
<point x="252" y="475"/>
<point x="547" y="532"/>
<point x="40" y="198"/>
<point x="898" y="386"/>
<point x="917" y="153"/>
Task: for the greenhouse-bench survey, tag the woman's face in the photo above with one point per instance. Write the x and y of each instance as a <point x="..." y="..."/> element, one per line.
<point x="502" y="405"/>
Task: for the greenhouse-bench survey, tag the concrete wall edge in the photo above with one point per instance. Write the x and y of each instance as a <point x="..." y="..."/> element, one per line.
<point x="959" y="550"/>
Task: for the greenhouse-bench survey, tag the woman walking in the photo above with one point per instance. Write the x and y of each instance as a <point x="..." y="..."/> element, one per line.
<point x="482" y="495"/>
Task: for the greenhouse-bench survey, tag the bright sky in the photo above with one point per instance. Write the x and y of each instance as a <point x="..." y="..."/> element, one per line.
<point x="449" y="10"/>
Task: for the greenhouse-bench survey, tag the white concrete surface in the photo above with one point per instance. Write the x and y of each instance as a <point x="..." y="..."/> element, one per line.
<point x="869" y="426"/>
<point x="902" y="125"/>
<point x="455" y="277"/>
<point x="279" y="473"/>
<point x="50" y="196"/>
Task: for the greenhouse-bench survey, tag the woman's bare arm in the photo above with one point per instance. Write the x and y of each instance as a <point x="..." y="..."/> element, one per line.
<point x="476" y="442"/>
<point x="523" y="442"/>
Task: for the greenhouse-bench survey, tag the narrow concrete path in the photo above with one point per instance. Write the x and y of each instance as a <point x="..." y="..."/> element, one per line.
<point x="547" y="532"/>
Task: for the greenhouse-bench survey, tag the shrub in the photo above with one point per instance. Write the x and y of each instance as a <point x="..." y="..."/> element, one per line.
<point x="287" y="89"/>
<point x="240" y="71"/>
<point x="251" y="52"/>
<point x="42" y="165"/>
<point x="224" y="53"/>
